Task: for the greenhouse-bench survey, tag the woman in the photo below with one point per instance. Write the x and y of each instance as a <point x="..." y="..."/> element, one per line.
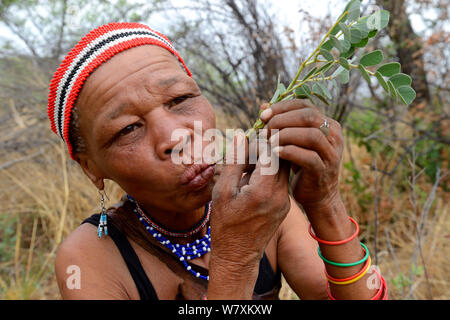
<point x="195" y="231"/>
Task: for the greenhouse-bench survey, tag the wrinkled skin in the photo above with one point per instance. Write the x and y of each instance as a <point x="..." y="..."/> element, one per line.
<point x="128" y="109"/>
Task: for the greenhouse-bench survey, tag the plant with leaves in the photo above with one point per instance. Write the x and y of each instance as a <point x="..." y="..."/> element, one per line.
<point x="334" y="58"/>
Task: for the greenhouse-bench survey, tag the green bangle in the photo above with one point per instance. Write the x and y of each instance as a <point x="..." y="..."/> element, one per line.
<point x="345" y="264"/>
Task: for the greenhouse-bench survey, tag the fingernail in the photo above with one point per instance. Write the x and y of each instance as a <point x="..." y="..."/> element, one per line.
<point x="277" y="150"/>
<point x="266" y="114"/>
<point x="274" y="139"/>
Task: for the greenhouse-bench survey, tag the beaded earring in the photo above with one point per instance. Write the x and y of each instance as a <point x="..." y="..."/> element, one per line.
<point x="102" y="225"/>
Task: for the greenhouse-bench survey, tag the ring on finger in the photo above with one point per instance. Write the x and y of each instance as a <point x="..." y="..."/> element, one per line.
<point x="325" y="127"/>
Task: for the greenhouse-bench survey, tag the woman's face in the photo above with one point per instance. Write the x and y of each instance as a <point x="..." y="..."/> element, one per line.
<point x="128" y="109"/>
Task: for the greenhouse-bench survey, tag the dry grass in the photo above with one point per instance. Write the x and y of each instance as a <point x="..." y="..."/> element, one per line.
<point x="421" y="212"/>
<point x="46" y="197"/>
<point x="43" y="201"/>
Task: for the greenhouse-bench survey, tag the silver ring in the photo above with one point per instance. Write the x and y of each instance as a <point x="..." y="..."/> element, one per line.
<point x="325" y="127"/>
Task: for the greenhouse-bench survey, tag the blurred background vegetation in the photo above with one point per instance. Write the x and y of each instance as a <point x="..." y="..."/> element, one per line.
<point x="394" y="177"/>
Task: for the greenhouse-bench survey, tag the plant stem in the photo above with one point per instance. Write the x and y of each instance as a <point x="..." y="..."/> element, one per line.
<point x="357" y="67"/>
<point x="314" y="54"/>
<point x="294" y="85"/>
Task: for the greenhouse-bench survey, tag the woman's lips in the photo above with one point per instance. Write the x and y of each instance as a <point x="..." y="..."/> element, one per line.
<point x="197" y="176"/>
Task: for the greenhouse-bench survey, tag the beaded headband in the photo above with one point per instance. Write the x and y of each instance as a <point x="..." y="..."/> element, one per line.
<point x="95" y="48"/>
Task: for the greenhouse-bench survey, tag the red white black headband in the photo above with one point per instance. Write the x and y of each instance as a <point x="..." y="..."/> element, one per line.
<point x="95" y="48"/>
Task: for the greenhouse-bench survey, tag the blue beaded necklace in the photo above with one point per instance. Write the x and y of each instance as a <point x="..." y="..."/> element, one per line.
<point x="185" y="252"/>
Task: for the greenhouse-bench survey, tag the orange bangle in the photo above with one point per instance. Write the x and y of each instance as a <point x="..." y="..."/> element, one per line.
<point x="335" y="243"/>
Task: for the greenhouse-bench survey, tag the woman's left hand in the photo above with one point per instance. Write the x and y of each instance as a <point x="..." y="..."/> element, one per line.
<point x="316" y="184"/>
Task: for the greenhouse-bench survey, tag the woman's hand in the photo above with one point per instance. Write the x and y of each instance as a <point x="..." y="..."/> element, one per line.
<point x="315" y="185"/>
<point x="251" y="204"/>
<point x="301" y="142"/>
<point x="246" y="212"/>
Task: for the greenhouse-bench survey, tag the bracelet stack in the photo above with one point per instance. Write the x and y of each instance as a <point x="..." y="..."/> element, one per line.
<point x="382" y="291"/>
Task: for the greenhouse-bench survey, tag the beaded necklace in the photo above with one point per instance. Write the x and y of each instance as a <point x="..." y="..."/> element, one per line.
<point x="184" y="252"/>
<point x="176" y="234"/>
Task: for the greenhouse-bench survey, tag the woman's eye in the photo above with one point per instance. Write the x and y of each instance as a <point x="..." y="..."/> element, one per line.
<point x="128" y="129"/>
<point x="179" y="100"/>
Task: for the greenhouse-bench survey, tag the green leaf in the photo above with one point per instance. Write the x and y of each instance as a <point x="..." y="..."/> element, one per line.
<point x="392" y="90"/>
<point x="344" y="76"/>
<point x="324" y="91"/>
<point x="361" y="26"/>
<point x="389" y="69"/>
<point x="372" y="59"/>
<point x="307" y="88"/>
<point x="327" y="45"/>
<point x="372" y="34"/>
<point x="400" y="79"/>
<point x="362" y="43"/>
<point x="364" y="73"/>
<point x="335" y="85"/>
<point x="275" y="97"/>
<point x="381" y="81"/>
<point x="326" y="54"/>
<point x="354" y="10"/>
<point x="345" y="31"/>
<point x="335" y="30"/>
<point x="345" y="46"/>
<point x="300" y="95"/>
<point x="378" y="20"/>
<point x="344" y="62"/>
<point x="322" y="98"/>
<point x="349" y="4"/>
<point x="287" y="97"/>
<point x="320" y="89"/>
<point x="355" y="35"/>
<point x="406" y="94"/>
<point x="336" y="43"/>
<point x="348" y="53"/>
<point x="385" y="16"/>
<point x="303" y="92"/>
<point x="310" y="73"/>
<point x="316" y="88"/>
<point x="325" y="67"/>
<point x="337" y="72"/>
<point x="280" y="90"/>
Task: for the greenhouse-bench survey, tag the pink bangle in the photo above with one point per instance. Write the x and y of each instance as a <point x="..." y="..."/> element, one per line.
<point x="383" y="286"/>
<point x="335" y="243"/>
<point x="375" y="297"/>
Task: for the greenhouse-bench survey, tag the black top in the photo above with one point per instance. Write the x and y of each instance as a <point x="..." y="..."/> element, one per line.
<point x="267" y="279"/>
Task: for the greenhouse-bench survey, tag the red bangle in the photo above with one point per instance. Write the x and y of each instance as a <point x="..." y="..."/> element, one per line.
<point x="204" y="297"/>
<point x="375" y="297"/>
<point x="335" y="243"/>
<point x="383" y="287"/>
<point x="385" y="296"/>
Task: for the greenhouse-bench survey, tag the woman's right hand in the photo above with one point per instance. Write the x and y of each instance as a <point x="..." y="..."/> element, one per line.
<point x="246" y="212"/>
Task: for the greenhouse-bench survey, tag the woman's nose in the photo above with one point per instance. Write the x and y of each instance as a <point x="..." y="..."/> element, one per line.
<point x="170" y="142"/>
